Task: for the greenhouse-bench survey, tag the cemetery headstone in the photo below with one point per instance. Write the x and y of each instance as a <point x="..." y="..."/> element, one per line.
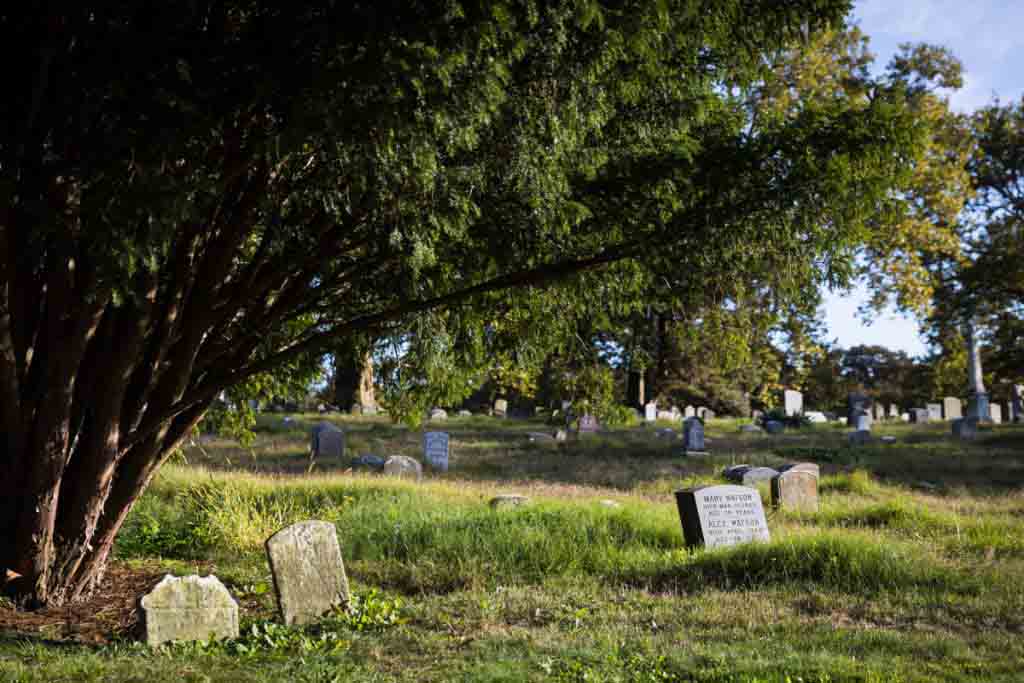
<point x="374" y="462"/>
<point x="501" y="408"/>
<point x="309" y="575"/>
<point x="721" y="515"/>
<point x="811" y="467"/>
<point x="438" y="415"/>
<point x="666" y="415"/>
<point x="404" y="467"/>
<point x="879" y="412"/>
<point x="774" y="427"/>
<point x="588" y="424"/>
<point x="327" y="440"/>
<point x="561" y="435"/>
<point x="934" y="411"/>
<point x="188" y="608"/>
<point x="856" y="403"/>
<point x="435" y="450"/>
<point x="755" y="474"/>
<point x="751" y="428"/>
<point x="690" y="411"/>
<point x="894" y="411"/>
<point x="1017" y="402"/>
<point x="965" y="428"/>
<point x="464" y="413"/>
<point x="793" y="402"/>
<point x="951" y="408"/>
<point x="734" y="473"/>
<point x="905" y="417"/>
<point x="693" y="437"/>
<point x="369" y="409"/>
<point x="815" y="417"/>
<point x="795" y="489"/>
<point x="507" y="500"/>
<point x="995" y="413"/>
<point x="756" y="415"/>
<point x="650" y="412"/>
<point x="708" y="414"/>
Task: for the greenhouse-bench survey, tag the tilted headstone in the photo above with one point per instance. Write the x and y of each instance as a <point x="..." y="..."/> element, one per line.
<point x="650" y="412"/>
<point x="693" y="436"/>
<point x="435" y="450"/>
<point x="309" y="575"/>
<point x="815" y="417"/>
<point x="793" y="402"/>
<point x="404" y="467"/>
<point x="755" y="474"/>
<point x="721" y="515"/>
<point x="934" y="411"/>
<point x="856" y="403"/>
<point x="327" y="440"/>
<point x="188" y="608"/>
<point x="951" y="408"/>
<point x="690" y="411"/>
<point x="734" y="473"/>
<point x="588" y="424"/>
<point x="501" y="408"/>
<point x="995" y="413"/>
<point x="965" y="428"/>
<point x="812" y="467"/>
<point x="795" y="489"/>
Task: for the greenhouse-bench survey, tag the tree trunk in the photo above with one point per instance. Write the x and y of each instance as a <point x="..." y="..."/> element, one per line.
<point x="353" y="375"/>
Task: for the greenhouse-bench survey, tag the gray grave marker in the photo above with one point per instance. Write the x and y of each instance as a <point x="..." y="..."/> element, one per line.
<point x="435" y="450"/>
<point x="327" y="440"/>
<point x="721" y="515"/>
<point x="796" y="489"/>
<point x="650" y="412"/>
<point x="919" y="415"/>
<point x="793" y="402"/>
<point x="588" y="424"/>
<point x="693" y="437"/>
<point x="309" y="575"/>
<point x="965" y="428"/>
<point x="995" y="413"/>
<point x="188" y="608"/>
<point x="856" y="403"/>
<point x="934" y="411"/>
<point x="951" y="408"/>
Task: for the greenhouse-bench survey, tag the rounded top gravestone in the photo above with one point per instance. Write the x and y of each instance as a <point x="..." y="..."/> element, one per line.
<point x="188" y="608"/>
<point x="309" y="575"/>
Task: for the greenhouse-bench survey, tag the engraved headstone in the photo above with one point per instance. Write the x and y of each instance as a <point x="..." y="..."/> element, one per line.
<point x="327" y="440"/>
<point x="755" y="474"/>
<point x="435" y="450"/>
<point x="721" y="515"/>
<point x="650" y="412"/>
<point x="588" y="424"/>
<point x="815" y="417"/>
<point x="693" y="437"/>
<point x="812" y="467"/>
<point x="934" y="411"/>
<point x="995" y="413"/>
<point x="965" y="428"/>
<point x="951" y="408"/>
<point x="690" y="411"/>
<point x="188" y="608"/>
<point x="793" y="402"/>
<point x="309" y="575"/>
<point x="404" y="467"/>
<point x="856" y="403"/>
<point x="795" y="489"/>
<point x="501" y="408"/>
<point x="507" y="500"/>
<point x="919" y="415"/>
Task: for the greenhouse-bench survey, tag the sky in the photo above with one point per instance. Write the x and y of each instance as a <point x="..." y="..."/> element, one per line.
<point x="988" y="38"/>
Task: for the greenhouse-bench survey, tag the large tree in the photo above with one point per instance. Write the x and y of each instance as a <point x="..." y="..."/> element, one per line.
<point x="195" y="194"/>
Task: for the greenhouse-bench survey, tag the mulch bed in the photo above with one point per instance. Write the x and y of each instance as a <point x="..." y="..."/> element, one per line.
<point x="110" y="612"/>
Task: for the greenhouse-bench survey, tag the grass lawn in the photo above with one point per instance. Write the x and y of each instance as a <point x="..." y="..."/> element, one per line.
<point x="912" y="569"/>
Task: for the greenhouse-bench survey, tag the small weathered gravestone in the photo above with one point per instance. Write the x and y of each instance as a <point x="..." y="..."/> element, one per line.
<point x="995" y="413"/>
<point x="464" y="413"/>
<point x="750" y="429"/>
<point x="501" y="408"/>
<point x="404" y="467"/>
<point x="309" y="575"/>
<point x="919" y="415"/>
<point x="905" y="417"/>
<point x="588" y="424"/>
<point x="721" y="515"/>
<point x="368" y="409"/>
<point x="561" y="435"/>
<point x="774" y="427"/>
<point x="856" y="403"/>
<point x="934" y="411"/>
<point x="862" y="422"/>
<point x="188" y="608"/>
<point x="438" y="415"/>
<point x="815" y="417"/>
<point x="753" y="475"/>
<point x="327" y="440"/>
<point x="734" y="473"/>
<point x="965" y="428"/>
<point x="879" y="412"/>
<point x="951" y="408"/>
<point x="689" y="411"/>
<point x="507" y="500"/>
<point x="795" y="489"/>
<point x="894" y="411"/>
<point x="793" y="402"/>
<point x="435" y="450"/>
<point x="650" y="412"/>
<point x="693" y="437"/>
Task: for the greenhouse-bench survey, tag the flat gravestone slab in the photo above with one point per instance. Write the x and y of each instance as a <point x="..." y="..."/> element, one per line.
<point x="188" y="608"/>
<point x="309" y="575"/>
<point x="796" y="489"/>
<point x="721" y="515"/>
<point x="435" y="450"/>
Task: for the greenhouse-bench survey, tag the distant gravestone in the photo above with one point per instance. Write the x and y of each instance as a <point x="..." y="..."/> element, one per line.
<point x="894" y="411"/>
<point x="951" y="408"/>
<point x="811" y="467"/>
<point x="856" y="403"/>
<point x="690" y="411"/>
<point x="753" y="475"/>
<point x="751" y="428"/>
<point x="588" y="424"/>
<point x="435" y="450"/>
<point x="734" y="473"/>
<point x="327" y="440"/>
<point x="965" y="428"/>
<point x="919" y="415"/>
<point x="879" y="412"/>
<point x="815" y="417"/>
<point x="862" y="422"/>
<point x="795" y="489"/>
<point x="650" y="412"/>
<point x="708" y="414"/>
<point x="934" y="411"/>
<point x="309" y="575"/>
<point x="368" y="409"/>
<point x="721" y="515"/>
<point x="404" y="467"/>
<point x="693" y="437"/>
<point x="438" y="415"/>
<point x="501" y="408"/>
<point x="995" y="413"/>
<point x="507" y="500"/>
<point x="774" y="427"/>
<point x="464" y="413"/>
<point x="374" y="462"/>
<point x="905" y="417"/>
<point x="756" y="415"/>
<point x="188" y="608"/>
<point x="793" y="402"/>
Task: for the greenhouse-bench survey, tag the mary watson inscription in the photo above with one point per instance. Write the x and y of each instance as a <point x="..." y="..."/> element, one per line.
<point x="721" y="515"/>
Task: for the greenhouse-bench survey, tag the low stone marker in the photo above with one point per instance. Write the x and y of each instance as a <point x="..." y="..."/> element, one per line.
<point x="934" y="411"/>
<point x="689" y="411"/>
<point x="750" y="429"/>
<point x="693" y="437"/>
<point x="793" y="402"/>
<point x="721" y="515"/>
<point x="951" y="408"/>
<point x="734" y="473"/>
<point x="666" y="415"/>
<point x="507" y="500"/>
<point x="501" y="408"/>
<point x="995" y="413"/>
<point x="438" y="415"/>
<point x="404" y="467"/>
<point x="795" y="489"/>
<point x="812" y="467"/>
<point x="651" y="412"/>
<point x="588" y="424"/>
<point x="905" y="417"/>
<point x="188" y="608"/>
<point x="753" y="475"/>
<point x="919" y="415"/>
<point x="815" y="417"/>
<point x="309" y="575"/>
<point x="327" y="440"/>
<point x="1017" y="403"/>
<point x="894" y="411"/>
<point x="879" y="412"/>
<point x="965" y="428"/>
<point x="435" y="450"/>
<point x="464" y="413"/>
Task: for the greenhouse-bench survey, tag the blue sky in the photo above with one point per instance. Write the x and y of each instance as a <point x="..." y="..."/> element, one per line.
<point x="988" y="38"/>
